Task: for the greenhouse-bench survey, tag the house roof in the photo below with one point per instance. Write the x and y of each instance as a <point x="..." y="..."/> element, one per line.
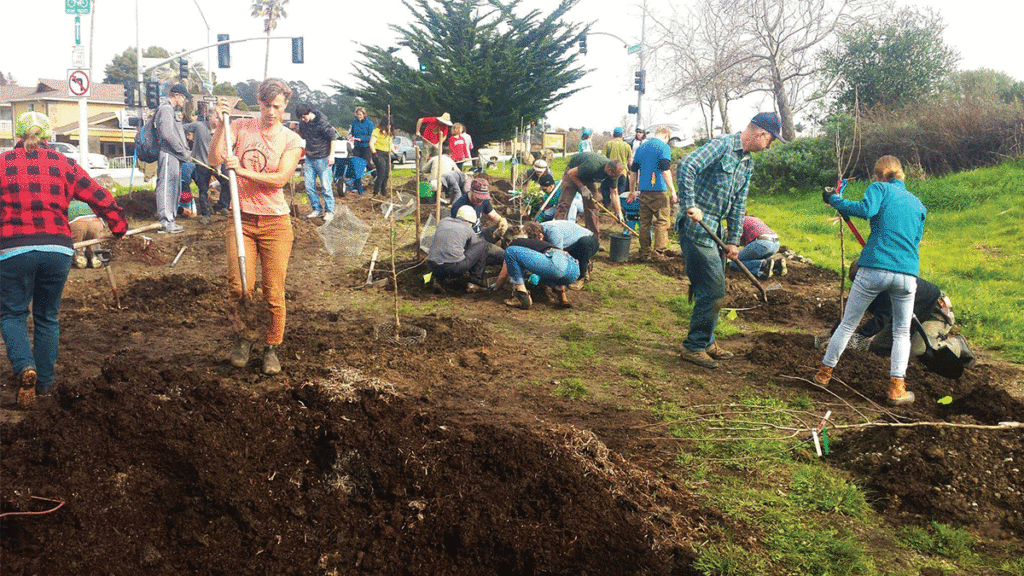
<point x="58" y="90"/>
<point x="95" y="121"/>
<point x="9" y="92"/>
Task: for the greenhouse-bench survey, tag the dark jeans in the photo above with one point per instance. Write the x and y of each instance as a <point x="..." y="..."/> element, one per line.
<point x="380" y="181"/>
<point x="705" y="268"/>
<point x="35" y="278"/>
<point x="201" y="176"/>
<point x="365" y="153"/>
<point x="583" y="250"/>
<point x="474" y="262"/>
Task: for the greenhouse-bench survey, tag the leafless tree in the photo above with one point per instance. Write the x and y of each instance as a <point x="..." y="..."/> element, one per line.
<point x="721" y="51"/>
<point x="702" y="56"/>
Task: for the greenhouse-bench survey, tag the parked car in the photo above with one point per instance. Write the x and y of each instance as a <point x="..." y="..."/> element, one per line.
<point x="71" y="151"/>
<point x="406" y="150"/>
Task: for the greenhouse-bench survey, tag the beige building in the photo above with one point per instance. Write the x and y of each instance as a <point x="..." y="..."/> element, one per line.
<point x="108" y="135"/>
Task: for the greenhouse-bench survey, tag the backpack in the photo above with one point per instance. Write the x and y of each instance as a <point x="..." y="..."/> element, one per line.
<point x="947" y="356"/>
<point x="147" y="143"/>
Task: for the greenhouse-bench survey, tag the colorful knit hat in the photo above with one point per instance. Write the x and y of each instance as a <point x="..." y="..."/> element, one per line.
<point x="28" y="120"/>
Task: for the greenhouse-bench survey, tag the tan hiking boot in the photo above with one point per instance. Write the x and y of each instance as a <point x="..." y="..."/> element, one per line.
<point x="717" y="352"/>
<point x="271" y="365"/>
<point x="700" y="358"/>
<point x="898" y="394"/>
<point x="520" y="299"/>
<point x="824" y="375"/>
<point x="27" y="388"/>
<point x="240" y="353"/>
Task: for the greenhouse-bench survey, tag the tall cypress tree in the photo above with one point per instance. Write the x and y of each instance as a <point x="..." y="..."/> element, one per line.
<point x="489" y="67"/>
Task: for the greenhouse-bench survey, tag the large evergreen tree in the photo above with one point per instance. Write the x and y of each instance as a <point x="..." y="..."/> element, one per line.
<point x="489" y="67"/>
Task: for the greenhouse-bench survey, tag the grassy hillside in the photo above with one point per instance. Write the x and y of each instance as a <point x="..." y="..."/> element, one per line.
<point x="973" y="246"/>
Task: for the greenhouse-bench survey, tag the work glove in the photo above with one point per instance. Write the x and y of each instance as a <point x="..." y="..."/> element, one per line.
<point x="502" y="227"/>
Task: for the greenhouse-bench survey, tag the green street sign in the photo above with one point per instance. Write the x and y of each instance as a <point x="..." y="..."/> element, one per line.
<point x="633" y="49"/>
<point x="77" y="6"/>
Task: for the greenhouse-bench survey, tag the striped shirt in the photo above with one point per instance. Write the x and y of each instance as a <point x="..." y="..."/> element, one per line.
<point x="715" y="178"/>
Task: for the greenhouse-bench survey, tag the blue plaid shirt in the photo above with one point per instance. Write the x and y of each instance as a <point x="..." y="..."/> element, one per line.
<point x="715" y="178"/>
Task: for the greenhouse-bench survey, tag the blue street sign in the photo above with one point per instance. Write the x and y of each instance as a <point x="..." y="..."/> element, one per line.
<point x="78" y="29"/>
<point x="77" y="6"/>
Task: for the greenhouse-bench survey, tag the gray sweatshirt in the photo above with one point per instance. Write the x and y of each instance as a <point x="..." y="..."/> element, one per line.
<point x="171" y="132"/>
<point x="201" y="137"/>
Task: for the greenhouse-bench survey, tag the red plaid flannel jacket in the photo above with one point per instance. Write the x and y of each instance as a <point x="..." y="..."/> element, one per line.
<point x="35" y="190"/>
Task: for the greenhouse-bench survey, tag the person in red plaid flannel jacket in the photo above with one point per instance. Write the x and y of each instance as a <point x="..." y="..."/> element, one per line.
<point x="36" y="185"/>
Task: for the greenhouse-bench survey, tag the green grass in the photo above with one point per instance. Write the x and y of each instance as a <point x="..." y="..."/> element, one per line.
<point x="972" y="247"/>
<point x="570" y="389"/>
<point x="939" y="539"/>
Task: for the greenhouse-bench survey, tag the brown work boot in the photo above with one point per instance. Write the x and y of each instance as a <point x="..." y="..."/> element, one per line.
<point x="563" y="298"/>
<point x="240" y="353"/>
<point x="520" y="299"/>
<point x="824" y="375"/>
<point x="27" y="388"/>
<point x="700" y="358"/>
<point x="717" y="352"/>
<point x="898" y="394"/>
<point x="271" y="365"/>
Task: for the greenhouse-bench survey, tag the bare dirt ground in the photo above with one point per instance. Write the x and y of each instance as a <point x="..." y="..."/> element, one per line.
<point x="449" y="456"/>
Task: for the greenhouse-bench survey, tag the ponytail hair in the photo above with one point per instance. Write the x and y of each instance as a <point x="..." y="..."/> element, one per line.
<point x="888" y="168"/>
<point x="32" y="138"/>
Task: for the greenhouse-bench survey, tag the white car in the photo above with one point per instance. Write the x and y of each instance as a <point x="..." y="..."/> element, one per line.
<point x="98" y="161"/>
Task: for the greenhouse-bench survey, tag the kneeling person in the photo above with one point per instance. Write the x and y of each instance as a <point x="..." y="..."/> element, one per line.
<point x="579" y="242"/>
<point x="457" y="249"/>
<point x="553" y="267"/>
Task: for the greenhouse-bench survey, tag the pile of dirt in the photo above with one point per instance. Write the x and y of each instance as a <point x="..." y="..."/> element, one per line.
<point x="168" y="472"/>
<point x="963" y="476"/>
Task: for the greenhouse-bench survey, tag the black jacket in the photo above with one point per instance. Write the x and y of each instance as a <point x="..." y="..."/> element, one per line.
<point x="318" y="135"/>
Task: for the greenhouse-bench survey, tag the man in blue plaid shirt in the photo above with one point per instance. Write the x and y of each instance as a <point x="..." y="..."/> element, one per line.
<point x="713" y="183"/>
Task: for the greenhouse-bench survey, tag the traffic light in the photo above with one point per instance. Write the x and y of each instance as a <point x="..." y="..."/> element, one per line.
<point x="183" y="68"/>
<point x="632" y="109"/>
<point x="129" y="95"/>
<point x="639" y="81"/>
<point x="223" y="52"/>
<point x="583" y="43"/>
<point x="297" y="52"/>
<point x="152" y="94"/>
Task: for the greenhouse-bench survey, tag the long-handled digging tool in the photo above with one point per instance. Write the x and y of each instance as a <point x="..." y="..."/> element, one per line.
<point x="103" y="255"/>
<point x="236" y="210"/>
<point x="748" y="273"/>
<point x="617" y="219"/>
<point x="94" y="241"/>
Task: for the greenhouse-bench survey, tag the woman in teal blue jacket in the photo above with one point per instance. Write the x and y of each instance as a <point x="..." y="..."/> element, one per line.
<point x="890" y="261"/>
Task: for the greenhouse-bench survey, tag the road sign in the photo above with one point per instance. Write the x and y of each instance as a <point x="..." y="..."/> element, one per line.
<point x="78" y="29"/>
<point x="77" y="6"/>
<point x="78" y="56"/>
<point x="633" y="49"/>
<point x="78" y="83"/>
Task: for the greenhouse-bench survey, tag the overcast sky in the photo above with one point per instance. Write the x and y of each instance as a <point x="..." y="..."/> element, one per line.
<point x="982" y="31"/>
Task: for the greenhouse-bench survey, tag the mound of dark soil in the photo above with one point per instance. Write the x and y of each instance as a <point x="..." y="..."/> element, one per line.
<point x="169" y="473"/>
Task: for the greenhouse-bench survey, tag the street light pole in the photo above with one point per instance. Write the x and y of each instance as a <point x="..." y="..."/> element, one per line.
<point x="209" y="65"/>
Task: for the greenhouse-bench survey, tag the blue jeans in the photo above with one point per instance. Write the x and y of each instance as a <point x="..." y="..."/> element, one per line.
<point x="37" y="278"/>
<point x="870" y="283"/>
<point x="312" y="169"/>
<point x="754" y="254"/>
<point x="555" y="267"/>
<point x="706" y="270"/>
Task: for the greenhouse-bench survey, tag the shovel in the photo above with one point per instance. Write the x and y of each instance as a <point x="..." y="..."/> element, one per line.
<point x="103" y="254"/>
<point x="750" y="276"/>
<point x="85" y="243"/>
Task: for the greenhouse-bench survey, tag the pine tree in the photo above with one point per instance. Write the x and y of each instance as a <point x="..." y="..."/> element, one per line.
<point x="489" y="67"/>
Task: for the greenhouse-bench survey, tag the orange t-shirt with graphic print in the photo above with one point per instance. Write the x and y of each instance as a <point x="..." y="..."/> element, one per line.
<point x="261" y="154"/>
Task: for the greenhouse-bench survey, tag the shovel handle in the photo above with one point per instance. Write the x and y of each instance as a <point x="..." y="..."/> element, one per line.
<point x="750" y="276"/>
<point x="616" y="218"/>
<point x="85" y="243"/>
